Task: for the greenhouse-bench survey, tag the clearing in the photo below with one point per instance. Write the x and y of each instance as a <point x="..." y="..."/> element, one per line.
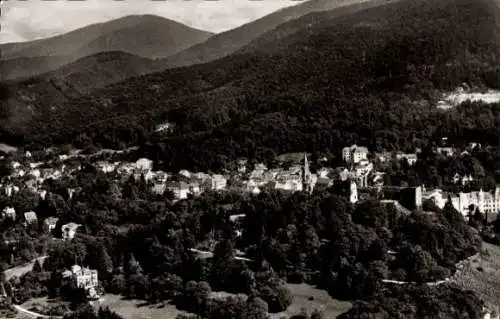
<point x="138" y="309"/>
<point x="320" y="300"/>
<point x="482" y="275"/>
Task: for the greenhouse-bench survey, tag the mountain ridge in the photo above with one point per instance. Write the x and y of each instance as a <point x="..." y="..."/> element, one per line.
<point x="225" y="43"/>
<point x="143" y="35"/>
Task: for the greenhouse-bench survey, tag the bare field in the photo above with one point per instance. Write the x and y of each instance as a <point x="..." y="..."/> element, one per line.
<point x="482" y="275"/>
<point x="321" y="300"/>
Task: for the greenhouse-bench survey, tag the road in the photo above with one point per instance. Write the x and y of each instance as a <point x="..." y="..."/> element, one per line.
<point x="21" y="270"/>
<point x="34" y="314"/>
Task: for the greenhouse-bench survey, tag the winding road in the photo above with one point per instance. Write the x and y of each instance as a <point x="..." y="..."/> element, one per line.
<point x="18" y="272"/>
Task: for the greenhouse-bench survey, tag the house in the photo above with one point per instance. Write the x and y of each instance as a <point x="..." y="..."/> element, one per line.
<point x="35" y="173"/>
<point x="30" y="218"/>
<point x="160" y="177"/>
<point x="324" y="172"/>
<point x="144" y="164"/>
<point x="242" y="165"/>
<point x="69" y="230"/>
<point x="181" y="190"/>
<point x="15" y="165"/>
<point x="354" y="154"/>
<point x="71" y="192"/>
<point x="148" y="175"/>
<point x="465" y="179"/>
<point x="289" y="183"/>
<point x="11" y="189"/>
<point x="42" y="193"/>
<point x="446" y="151"/>
<point x="383" y="157"/>
<point x="218" y="182"/>
<point x="411" y="158"/>
<point x="158" y="188"/>
<point x="353" y="192"/>
<point x="83" y="278"/>
<point x="473" y="145"/>
<point x="105" y="167"/>
<point x="437" y="196"/>
<point x="252" y="187"/>
<point x="9" y="212"/>
<point x="486" y="202"/>
<point x="50" y="223"/>
<point x="185" y="173"/>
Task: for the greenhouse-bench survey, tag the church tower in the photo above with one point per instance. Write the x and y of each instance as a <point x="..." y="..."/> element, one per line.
<point x="306" y="176"/>
<point x="353" y="192"/>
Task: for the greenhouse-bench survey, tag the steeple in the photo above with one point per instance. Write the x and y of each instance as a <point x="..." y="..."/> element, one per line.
<point x="306" y="176"/>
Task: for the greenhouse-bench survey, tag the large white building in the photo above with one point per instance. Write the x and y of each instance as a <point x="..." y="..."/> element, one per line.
<point x="486" y="202"/>
<point x="83" y="278"/>
<point x="354" y="154"/>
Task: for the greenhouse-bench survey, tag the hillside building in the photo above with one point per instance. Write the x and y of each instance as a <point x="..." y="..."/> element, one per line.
<point x="354" y="154"/>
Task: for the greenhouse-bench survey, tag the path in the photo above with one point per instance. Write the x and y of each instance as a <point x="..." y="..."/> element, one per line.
<point x="21" y="270"/>
<point x="34" y="314"/>
<point x="459" y="266"/>
<point x="208" y="254"/>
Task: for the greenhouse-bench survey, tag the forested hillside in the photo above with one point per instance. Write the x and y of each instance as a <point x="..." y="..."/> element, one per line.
<point x="226" y="43"/>
<point x="147" y="36"/>
<point x="368" y="77"/>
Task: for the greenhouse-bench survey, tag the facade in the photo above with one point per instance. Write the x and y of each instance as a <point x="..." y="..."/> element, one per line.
<point x="144" y="165"/>
<point x="50" y="223"/>
<point x="486" y="202"/>
<point x="69" y="231"/>
<point x="218" y="182"/>
<point x="354" y="154"/>
<point x="353" y="193"/>
<point x="9" y="212"/>
<point x="83" y="278"/>
<point x="446" y="151"/>
<point x="410" y="158"/>
<point x="30" y="217"/>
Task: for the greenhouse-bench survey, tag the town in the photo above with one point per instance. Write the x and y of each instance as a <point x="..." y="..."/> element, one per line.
<point x="31" y="177"/>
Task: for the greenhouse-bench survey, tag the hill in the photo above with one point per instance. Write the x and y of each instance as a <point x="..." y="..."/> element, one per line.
<point x="225" y="43"/>
<point x="28" y="67"/>
<point x="359" y="77"/>
<point x="143" y="35"/>
<point x="46" y="92"/>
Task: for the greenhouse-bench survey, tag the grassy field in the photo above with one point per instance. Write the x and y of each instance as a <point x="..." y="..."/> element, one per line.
<point x="136" y="309"/>
<point x="482" y="275"/>
<point x="320" y="300"/>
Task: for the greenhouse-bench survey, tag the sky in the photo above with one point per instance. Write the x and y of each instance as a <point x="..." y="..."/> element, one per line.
<point x="24" y="20"/>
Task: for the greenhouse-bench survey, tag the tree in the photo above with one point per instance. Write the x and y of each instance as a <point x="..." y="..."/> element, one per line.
<point x="317" y="314"/>
<point x="37" y="266"/>
<point x="255" y="308"/>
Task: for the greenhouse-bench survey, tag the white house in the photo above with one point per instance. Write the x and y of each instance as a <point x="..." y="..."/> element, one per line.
<point x="446" y="151"/>
<point x="9" y="212"/>
<point x="144" y="164"/>
<point x="218" y="182"/>
<point x="69" y="230"/>
<point x="30" y="217"/>
<point x="84" y="278"/>
<point x="410" y="158"/>
<point x="50" y="223"/>
<point x="354" y="154"/>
